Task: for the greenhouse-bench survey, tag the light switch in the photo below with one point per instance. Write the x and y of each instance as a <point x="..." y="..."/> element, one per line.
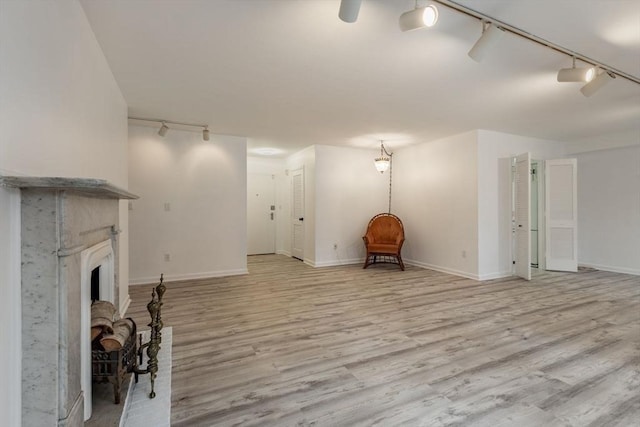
<point x="167" y="207"/>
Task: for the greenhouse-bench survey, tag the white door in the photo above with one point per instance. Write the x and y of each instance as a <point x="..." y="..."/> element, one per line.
<point x="561" y="206"/>
<point x="261" y="205"/>
<point x="522" y="216"/>
<point x="297" y="238"/>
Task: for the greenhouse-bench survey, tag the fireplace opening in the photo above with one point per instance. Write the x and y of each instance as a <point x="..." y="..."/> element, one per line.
<point x="95" y="284"/>
<point x="97" y="277"/>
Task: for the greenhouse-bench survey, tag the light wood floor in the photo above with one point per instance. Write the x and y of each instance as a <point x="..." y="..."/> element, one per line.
<point x="291" y="345"/>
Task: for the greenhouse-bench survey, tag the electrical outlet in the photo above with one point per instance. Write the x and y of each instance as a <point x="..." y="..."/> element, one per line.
<point x="335" y="246"/>
<point x="167" y="207"/>
<point x="464" y="254"/>
<point x="167" y="257"/>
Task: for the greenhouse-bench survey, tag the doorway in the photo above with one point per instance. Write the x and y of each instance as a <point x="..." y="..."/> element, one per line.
<point x="261" y="214"/>
<point x="544" y="211"/>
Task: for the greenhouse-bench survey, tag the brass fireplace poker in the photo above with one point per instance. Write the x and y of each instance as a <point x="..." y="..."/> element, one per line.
<point x="153" y="346"/>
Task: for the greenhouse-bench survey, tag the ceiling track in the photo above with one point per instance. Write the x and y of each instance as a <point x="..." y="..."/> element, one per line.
<point x="539" y="40"/>
<point x="171" y="122"/>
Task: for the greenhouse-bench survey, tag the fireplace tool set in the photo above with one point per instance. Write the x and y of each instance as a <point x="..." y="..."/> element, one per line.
<point x="153" y="346"/>
<point x="120" y="355"/>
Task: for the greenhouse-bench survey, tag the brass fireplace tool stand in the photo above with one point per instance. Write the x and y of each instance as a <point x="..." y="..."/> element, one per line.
<point x="153" y="346"/>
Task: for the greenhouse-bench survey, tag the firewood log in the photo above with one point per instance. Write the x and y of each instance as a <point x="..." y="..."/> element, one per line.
<point x="122" y="330"/>
<point x="96" y="331"/>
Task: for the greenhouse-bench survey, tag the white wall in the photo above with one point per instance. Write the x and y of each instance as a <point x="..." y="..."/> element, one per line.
<point x="61" y="114"/>
<point x="609" y="209"/>
<point x="436" y="196"/>
<point x="620" y="139"/>
<point x="349" y="191"/>
<point x="494" y="195"/>
<point x="205" y="184"/>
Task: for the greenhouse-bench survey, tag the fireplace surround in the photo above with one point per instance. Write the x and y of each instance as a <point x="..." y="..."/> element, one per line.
<point x="60" y="219"/>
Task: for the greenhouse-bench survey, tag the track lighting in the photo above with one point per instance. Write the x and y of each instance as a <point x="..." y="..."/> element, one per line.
<point x="492" y="31"/>
<point x="349" y="10"/>
<point x="597" y="83"/>
<point x="490" y="36"/>
<point x="206" y="135"/>
<point x="419" y="17"/>
<point x="574" y="74"/>
<point x="163" y="129"/>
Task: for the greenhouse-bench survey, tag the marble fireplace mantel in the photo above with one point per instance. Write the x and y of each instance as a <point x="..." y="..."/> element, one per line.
<point x="60" y="217"/>
<point x="83" y="186"/>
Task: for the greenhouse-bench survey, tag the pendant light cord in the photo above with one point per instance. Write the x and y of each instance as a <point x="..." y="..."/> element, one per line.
<point x="390" y="173"/>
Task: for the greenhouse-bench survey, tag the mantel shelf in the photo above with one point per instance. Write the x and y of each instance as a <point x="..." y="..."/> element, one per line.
<point x="88" y="187"/>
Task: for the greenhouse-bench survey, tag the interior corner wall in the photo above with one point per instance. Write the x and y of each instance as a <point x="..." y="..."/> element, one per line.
<point x="609" y="209"/>
<point x="436" y="196"/>
<point x="494" y="195"/>
<point x="191" y="219"/>
<point x="349" y="192"/>
<point x="61" y="114"/>
<point x="306" y="160"/>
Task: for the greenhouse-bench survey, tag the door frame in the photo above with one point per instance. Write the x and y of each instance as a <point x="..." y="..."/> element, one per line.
<point x="521" y="218"/>
<point x="297" y="216"/>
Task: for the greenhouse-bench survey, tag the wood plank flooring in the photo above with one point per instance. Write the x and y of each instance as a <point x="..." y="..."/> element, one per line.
<point x="290" y="345"/>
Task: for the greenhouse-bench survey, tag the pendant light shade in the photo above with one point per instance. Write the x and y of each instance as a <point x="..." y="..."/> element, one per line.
<point x="419" y="17"/>
<point x="489" y="38"/>
<point x="384" y="161"/>
<point x="382" y="164"/>
<point x="349" y="10"/>
<point x="205" y="134"/>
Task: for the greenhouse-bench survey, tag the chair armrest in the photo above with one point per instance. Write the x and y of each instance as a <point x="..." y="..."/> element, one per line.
<point x="368" y="238"/>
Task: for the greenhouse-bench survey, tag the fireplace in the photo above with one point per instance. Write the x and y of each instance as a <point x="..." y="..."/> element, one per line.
<point x="69" y="226"/>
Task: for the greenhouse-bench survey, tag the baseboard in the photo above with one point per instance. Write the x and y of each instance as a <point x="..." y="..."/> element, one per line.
<point x="612" y="269"/>
<point x="189" y="276"/>
<point x="497" y="275"/>
<point x="339" y="262"/>
<point x="283" y="252"/>
<point x="443" y="269"/>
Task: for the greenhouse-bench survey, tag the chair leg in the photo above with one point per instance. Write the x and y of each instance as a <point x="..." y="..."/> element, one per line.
<point x="400" y="263"/>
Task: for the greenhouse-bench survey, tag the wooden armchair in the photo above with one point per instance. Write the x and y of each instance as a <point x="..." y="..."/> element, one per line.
<point x="383" y="240"/>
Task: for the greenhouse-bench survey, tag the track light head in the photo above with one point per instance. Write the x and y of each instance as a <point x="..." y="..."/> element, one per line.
<point x="205" y="133"/>
<point x="597" y="83"/>
<point x="163" y="129"/>
<point x="349" y="10"/>
<point x="490" y="36"/>
<point x="419" y="17"/>
<point x="574" y="74"/>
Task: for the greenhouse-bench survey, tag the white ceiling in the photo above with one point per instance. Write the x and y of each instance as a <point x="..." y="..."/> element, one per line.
<point x="289" y="73"/>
